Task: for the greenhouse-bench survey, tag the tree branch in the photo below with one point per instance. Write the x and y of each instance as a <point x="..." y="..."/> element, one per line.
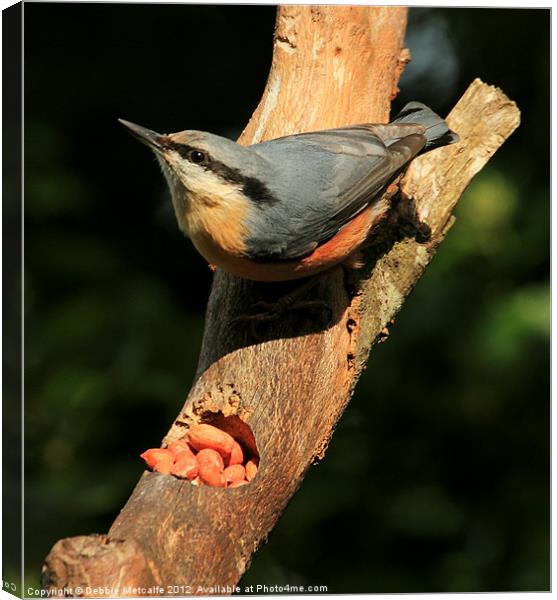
<point x="290" y="380"/>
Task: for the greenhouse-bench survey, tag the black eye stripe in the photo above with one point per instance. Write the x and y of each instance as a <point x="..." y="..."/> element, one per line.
<point x="188" y="152"/>
<point x="251" y="186"/>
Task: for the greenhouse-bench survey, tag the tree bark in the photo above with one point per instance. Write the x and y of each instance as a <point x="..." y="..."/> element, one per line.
<point x="283" y="384"/>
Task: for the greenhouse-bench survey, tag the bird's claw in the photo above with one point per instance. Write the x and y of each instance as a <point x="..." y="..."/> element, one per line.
<point x="271" y="311"/>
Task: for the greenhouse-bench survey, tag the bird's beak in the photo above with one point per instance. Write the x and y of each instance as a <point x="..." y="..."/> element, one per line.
<point x="152" y="139"/>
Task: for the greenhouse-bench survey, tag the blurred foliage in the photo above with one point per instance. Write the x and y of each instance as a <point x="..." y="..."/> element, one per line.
<point x="437" y="478"/>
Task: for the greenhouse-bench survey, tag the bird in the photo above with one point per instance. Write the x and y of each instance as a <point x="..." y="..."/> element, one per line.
<point x="291" y="207"/>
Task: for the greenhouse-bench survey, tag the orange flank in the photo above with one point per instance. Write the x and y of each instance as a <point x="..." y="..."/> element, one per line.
<point x="339" y="247"/>
<point x="332" y="252"/>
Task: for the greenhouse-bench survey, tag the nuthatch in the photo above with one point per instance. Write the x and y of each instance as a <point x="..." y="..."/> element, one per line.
<point x="293" y="206"/>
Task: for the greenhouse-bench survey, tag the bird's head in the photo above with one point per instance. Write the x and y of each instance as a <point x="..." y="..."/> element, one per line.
<point x="204" y="171"/>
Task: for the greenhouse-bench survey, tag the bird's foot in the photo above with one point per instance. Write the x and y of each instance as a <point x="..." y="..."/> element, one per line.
<point x="268" y="312"/>
<point x="272" y="311"/>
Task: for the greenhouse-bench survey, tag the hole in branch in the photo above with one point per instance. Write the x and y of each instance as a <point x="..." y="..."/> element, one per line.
<point x="220" y="451"/>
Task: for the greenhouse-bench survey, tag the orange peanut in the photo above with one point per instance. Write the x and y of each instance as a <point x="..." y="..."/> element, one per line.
<point x="251" y="469"/>
<point x="210" y="474"/>
<point x="185" y="466"/>
<point x="236" y="454"/>
<point x="207" y="436"/>
<point x="238" y="484"/>
<point x="164" y="465"/>
<point x="234" y="473"/>
<point x="155" y="455"/>
<point x="210" y="456"/>
<point x="179" y="446"/>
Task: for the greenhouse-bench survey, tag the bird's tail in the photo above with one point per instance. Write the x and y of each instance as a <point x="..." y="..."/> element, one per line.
<point x="436" y="129"/>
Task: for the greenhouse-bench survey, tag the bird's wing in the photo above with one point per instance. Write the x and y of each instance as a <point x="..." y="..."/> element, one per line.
<point x="324" y="179"/>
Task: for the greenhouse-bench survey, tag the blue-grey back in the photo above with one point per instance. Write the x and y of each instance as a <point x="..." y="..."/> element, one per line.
<point x="321" y="180"/>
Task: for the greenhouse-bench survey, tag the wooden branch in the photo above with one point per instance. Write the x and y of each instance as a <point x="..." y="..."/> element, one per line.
<point x="289" y="380"/>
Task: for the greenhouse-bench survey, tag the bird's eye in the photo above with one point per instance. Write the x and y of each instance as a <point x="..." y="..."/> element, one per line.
<point x="196" y="157"/>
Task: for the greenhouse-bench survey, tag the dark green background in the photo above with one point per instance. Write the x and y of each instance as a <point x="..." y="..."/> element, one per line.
<point x="437" y="478"/>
